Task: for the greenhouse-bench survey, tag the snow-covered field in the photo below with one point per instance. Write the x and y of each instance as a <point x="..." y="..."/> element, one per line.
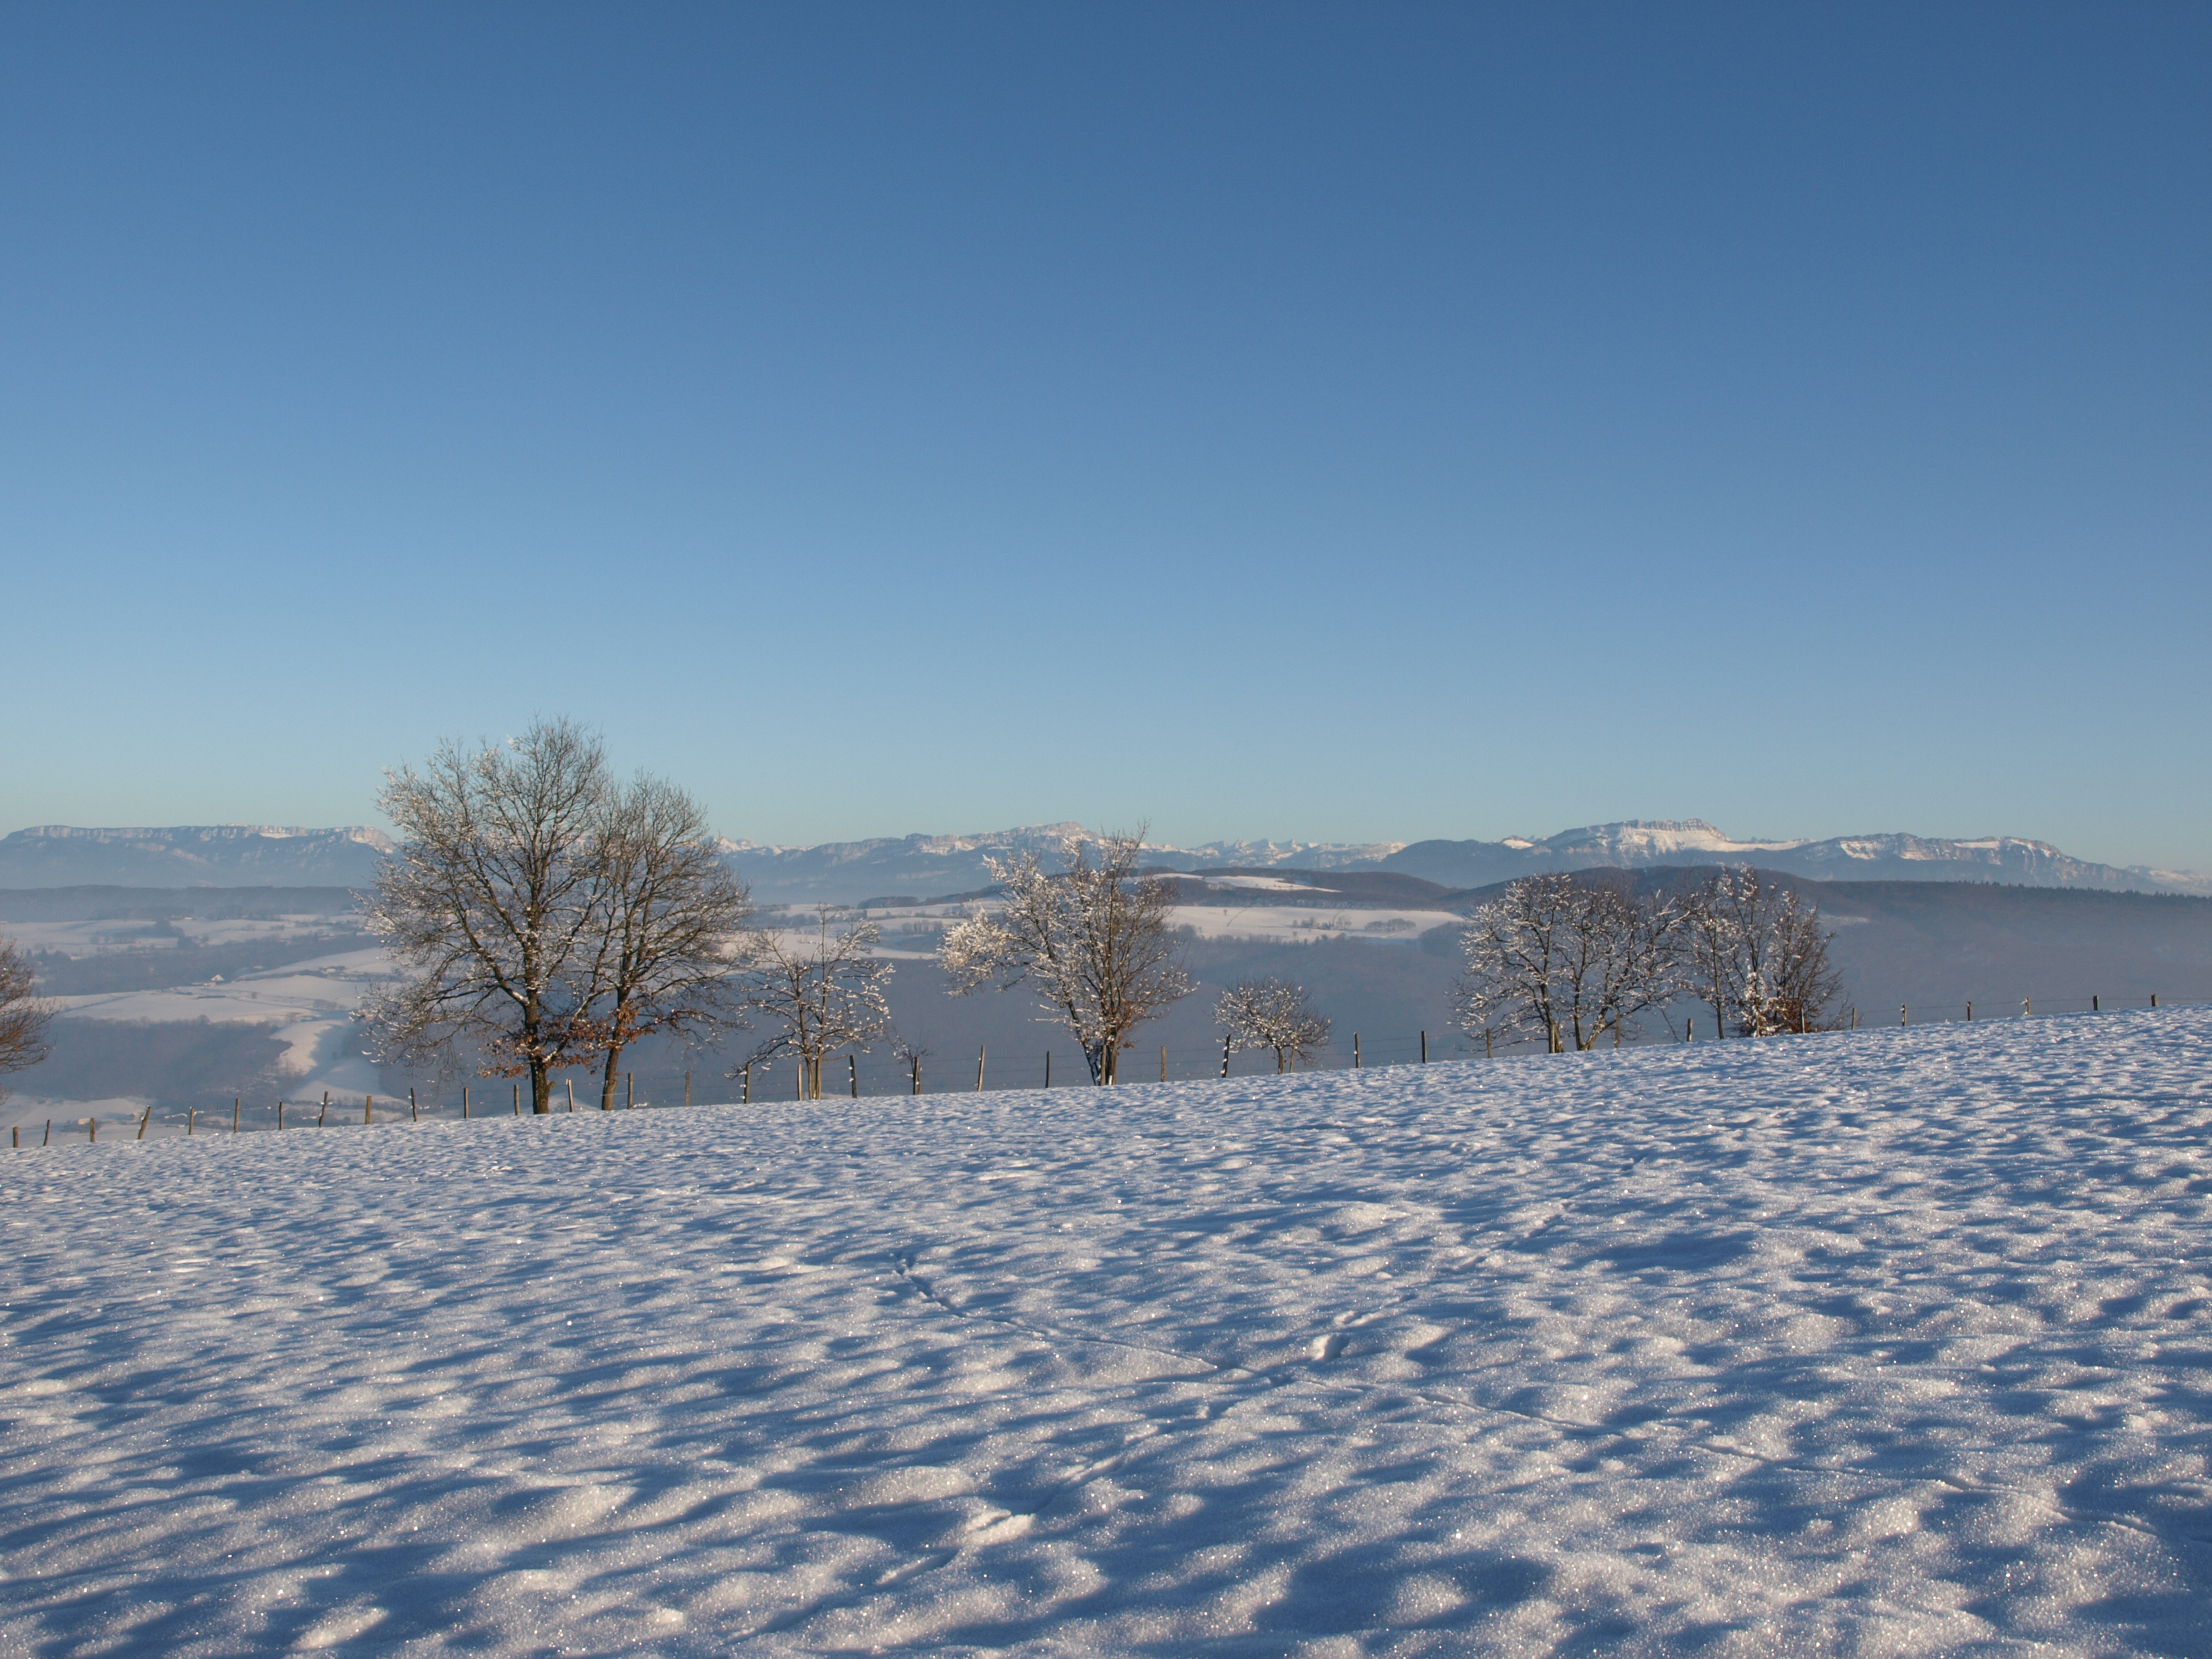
<point x="1892" y="1343"/>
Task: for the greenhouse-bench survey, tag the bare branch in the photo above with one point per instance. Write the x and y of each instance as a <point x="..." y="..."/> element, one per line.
<point x="23" y="1015"/>
<point x="669" y="927"/>
<point x="1092" y="939"/>
<point x="1566" y="958"/>
<point x="822" y="995"/>
<point x="490" y="903"/>
<point x="1273" y="1013"/>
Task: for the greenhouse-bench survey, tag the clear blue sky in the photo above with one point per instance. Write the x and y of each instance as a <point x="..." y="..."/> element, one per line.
<point x="1341" y="422"/>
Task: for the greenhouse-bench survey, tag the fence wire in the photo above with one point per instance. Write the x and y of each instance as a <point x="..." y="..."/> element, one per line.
<point x="854" y="1075"/>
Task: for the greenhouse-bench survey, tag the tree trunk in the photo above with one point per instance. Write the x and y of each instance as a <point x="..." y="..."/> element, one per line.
<point x="607" y="1081"/>
<point x="541" y="1089"/>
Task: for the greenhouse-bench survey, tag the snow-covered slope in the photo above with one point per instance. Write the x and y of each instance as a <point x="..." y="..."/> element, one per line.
<point x="1898" y="1342"/>
<point x="215" y="855"/>
<point x="1634" y="844"/>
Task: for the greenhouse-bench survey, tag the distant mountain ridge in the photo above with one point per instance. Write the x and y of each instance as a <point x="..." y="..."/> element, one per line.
<point x="192" y="856"/>
<point x="1889" y="857"/>
<point x="922" y="866"/>
<point x="925" y="866"/>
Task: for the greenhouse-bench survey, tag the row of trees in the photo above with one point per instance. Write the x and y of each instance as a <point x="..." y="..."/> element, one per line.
<point x="549" y="916"/>
<point x="1565" y="958"/>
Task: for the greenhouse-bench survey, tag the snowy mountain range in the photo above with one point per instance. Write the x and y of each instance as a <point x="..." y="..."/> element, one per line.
<point x="930" y="866"/>
<point x="250" y="855"/>
<point x="1889" y="857"/>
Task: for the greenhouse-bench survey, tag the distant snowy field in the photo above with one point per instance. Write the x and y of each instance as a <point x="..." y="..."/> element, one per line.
<point x="1892" y="1343"/>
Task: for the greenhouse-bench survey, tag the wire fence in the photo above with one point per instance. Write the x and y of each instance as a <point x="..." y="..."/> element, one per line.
<point x="856" y="1075"/>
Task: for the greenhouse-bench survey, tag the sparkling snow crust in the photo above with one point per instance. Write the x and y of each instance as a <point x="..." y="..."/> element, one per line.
<point x="1892" y="1343"/>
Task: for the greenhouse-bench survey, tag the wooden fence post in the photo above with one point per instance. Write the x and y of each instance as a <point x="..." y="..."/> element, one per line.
<point x="1163" y="1062"/>
<point x="1355" y="1051"/>
<point x="1048" y="1068"/>
<point x="1425" y="1048"/>
<point x="234" y="1104"/>
<point x="144" y="1120"/>
<point x="629" y="1091"/>
<point x="2154" y="999"/>
<point x="1970" y="1013"/>
<point x="687" y="1088"/>
<point x="853" y="1066"/>
<point x="189" y="1110"/>
<point x="414" y="1112"/>
<point x="322" y="1117"/>
<point x="92" y="1127"/>
<point x="516" y="1086"/>
<point x="570" y="1083"/>
<point x="49" y="1134"/>
<point x="369" y="1109"/>
<point x="2093" y="1008"/>
<point x="2026" y="1007"/>
<point x="464" y="1103"/>
<point x="981" y="1050"/>
<point x="1904" y="1014"/>
<point x="280" y="1109"/>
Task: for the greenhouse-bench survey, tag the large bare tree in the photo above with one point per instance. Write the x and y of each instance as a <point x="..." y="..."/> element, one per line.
<point x="1568" y="957"/>
<point x="23" y="1016"/>
<point x="1273" y="1013"/>
<point x="1758" y="956"/>
<point x="492" y="903"/>
<point x="1094" y="939"/>
<point x="822" y="993"/>
<point x="670" y="927"/>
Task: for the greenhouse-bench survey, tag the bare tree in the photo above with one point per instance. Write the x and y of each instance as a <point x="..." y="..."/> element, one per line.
<point x="1566" y="956"/>
<point x="1758" y="955"/>
<point x="492" y="903"/>
<point x="23" y="1016"/>
<point x="1093" y="939"/>
<point x="667" y="934"/>
<point x="1273" y="1013"/>
<point x="825" y="993"/>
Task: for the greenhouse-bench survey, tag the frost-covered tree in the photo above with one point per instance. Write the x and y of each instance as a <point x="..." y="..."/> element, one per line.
<point x="23" y="1016"/>
<point x="670" y="927"/>
<point x="1758" y="955"/>
<point x="823" y="993"/>
<point x="1272" y="1013"/>
<point x="1567" y="957"/>
<point x="1092" y="939"/>
<point x="492" y="903"/>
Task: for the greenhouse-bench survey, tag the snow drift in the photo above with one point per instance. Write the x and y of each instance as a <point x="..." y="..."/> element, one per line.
<point x="1898" y="1342"/>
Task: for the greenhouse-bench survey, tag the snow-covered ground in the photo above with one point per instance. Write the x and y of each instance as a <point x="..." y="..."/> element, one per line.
<point x="1898" y="1342"/>
<point x="1283" y="924"/>
<point x="111" y="936"/>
